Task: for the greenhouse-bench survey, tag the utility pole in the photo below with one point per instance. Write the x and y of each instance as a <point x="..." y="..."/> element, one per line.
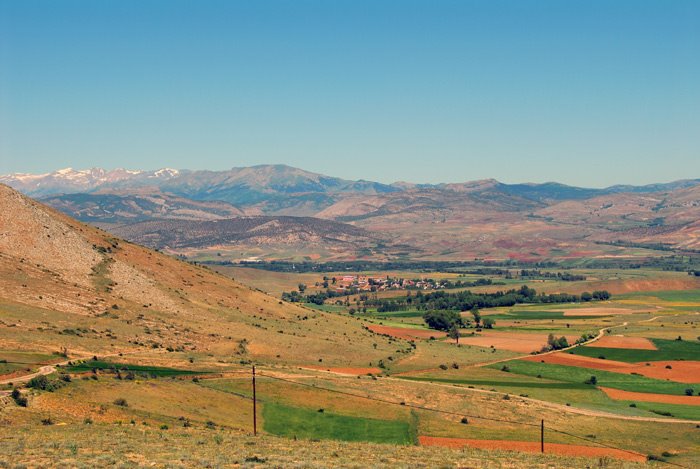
<point x="542" y="436"/>
<point x="255" y="414"/>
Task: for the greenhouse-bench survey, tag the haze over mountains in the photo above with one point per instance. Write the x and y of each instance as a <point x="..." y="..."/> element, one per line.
<point x="176" y="209"/>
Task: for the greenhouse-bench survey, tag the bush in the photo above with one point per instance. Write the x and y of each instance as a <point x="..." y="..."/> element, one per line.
<point x="464" y="420"/>
<point x="19" y="399"/>
<point x="38" y="382"/>
<point x="689" y="391"/>
<point x="592" y="380"/>
<point x="505" y="368"/>
<point x="121" y="402"/>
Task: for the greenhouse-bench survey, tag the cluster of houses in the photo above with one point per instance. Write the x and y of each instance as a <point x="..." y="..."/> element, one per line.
<point x="364" y="283"/>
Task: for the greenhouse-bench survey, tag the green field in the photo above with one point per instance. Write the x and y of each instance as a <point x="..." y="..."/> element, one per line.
<point x="156" y="371"/>
<point x="667" y="350"/>
<point x="303" y="423"/>
<point x="573" y="374"/>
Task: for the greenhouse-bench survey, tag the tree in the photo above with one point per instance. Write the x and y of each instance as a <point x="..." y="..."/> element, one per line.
<point x="454" y="333"/>
<point x="586" y="296"/>
<point x="302" y="288"/>
<point x="477" y="316"/>
<point x="488" y="323"/>
<point x="601" y="295"/>
<point x="442" y="320"/>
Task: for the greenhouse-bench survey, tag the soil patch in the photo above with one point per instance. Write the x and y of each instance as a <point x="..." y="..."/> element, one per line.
<point x="344" y="370"/>
<point x="619" y="341"/>
<point x="531" y="447"/>
<point x="620" y="395"/>
<point x="405" y="332"/>
<point x="597" y="311"/>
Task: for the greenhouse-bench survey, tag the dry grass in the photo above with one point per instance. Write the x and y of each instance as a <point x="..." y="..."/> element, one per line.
<point x="138" y="446"/>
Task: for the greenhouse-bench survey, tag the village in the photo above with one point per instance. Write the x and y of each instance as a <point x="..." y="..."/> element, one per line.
<point x="351" y="284"/>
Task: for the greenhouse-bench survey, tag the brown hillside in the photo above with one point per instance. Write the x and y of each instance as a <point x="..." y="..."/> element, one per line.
<point x="66" y="284"/>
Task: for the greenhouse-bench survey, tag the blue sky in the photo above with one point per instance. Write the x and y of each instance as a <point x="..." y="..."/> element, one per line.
<point x="590" y="93"/>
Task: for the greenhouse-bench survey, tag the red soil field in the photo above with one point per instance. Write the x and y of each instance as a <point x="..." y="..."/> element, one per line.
<point x="681" y="371"/>
<point x="597" y="311"/>
<point x="405" y="332"/>
<point x="531" y="447"/>
<point x="344" y="370"/>
<point x="619" y="341"/>
<point x="620" y="395"/>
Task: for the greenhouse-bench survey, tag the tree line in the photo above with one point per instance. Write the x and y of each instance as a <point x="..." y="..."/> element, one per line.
<point x="467" y="300"/>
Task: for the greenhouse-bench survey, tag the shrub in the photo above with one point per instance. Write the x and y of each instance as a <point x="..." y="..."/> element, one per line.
<point x="592" y="380"/>
<point x="19" y="399"/>
<point x="121" y="402"/>
<point x="464" y="420"/>
<point x="689" y="391"/>
<point x="505" y="368"/>
<point x="38" y="382"/>
<point x="47" y="421"/>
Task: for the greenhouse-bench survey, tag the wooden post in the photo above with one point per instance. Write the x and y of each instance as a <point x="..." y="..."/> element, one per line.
<point x="255" y="414"/>
<point x="542" y="436"/>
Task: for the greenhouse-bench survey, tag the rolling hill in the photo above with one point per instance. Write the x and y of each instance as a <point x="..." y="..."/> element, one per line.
<point x="265" y="231"/>
<point x="138" y="206"/>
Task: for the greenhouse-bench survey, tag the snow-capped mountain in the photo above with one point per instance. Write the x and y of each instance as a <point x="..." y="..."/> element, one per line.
<point x="70" y="180"/>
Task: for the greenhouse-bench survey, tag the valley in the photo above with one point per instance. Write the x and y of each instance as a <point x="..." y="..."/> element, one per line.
<point x="100" y="333"/>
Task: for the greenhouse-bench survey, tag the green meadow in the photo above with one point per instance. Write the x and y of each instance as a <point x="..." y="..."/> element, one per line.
<point x="667" y="350"/>
<point x="572" y="374"/>
<point x="298" y="422"/>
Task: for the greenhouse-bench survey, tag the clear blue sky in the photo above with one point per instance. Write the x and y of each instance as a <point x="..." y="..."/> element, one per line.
<point x="590" y="92"/>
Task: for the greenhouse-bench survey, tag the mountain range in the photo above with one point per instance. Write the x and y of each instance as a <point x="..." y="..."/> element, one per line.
<point x="177" y="210"/>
